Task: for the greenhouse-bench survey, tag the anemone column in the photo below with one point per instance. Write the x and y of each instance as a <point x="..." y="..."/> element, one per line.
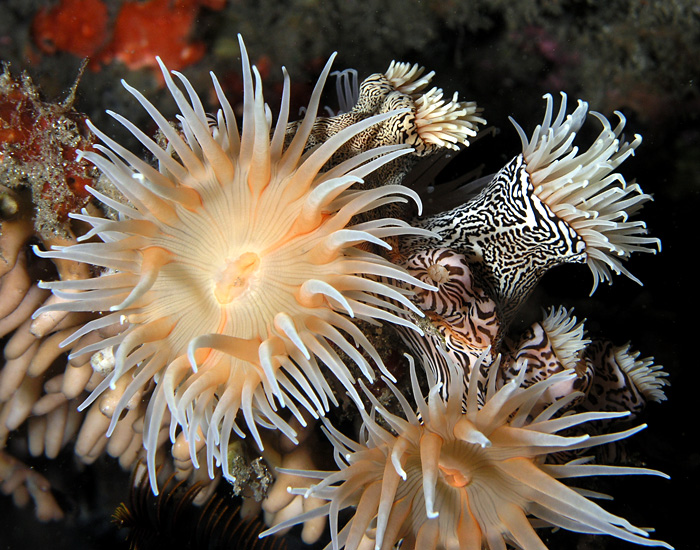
<point x="548" y="206"/>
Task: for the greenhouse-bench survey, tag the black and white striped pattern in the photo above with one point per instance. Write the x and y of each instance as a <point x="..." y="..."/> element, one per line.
<point x="461" y="319"/>
<point x="509" y="237"/>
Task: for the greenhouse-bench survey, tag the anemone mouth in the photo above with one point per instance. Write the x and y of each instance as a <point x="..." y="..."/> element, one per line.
<point x="583" y="189"/>
<point x="236" y="276"/>
<point x="236" y="268"/>
<point x="461" y="463"/>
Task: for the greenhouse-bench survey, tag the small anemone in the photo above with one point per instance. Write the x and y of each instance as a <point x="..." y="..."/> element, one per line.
<point x="583" y="189"/>
<point x="648" y="378"/>
<point x="406" y="78"/>
<point x="347" y="88"/>
<point x="446" y="123"/>
<point x="566" y="336"/>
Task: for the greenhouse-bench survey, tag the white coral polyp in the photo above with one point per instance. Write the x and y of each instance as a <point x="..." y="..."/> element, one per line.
<point x="235" y="267"/>
<point x="465" y="480"/>
<point x="583" y="189"/>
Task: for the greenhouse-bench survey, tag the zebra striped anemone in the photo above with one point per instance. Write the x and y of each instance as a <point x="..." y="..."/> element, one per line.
<point x="468" y="480"/>
<point x="235" y="268"/>
<point x="439" y="122"/>
<point x="583" y="190"/>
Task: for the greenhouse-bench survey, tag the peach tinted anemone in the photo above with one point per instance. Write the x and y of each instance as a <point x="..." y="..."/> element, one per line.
<point x="235" y="269"/>
<point x="466" y="480"/>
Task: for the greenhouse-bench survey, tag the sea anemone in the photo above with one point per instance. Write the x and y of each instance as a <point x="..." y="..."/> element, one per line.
<point x="423" y="119"/>
<point x="550" y="205"/>
<point x="622" y="381"/>
<point x="448" y="478"/>
<point x="583" y="190"/>
<point x="234" y="268"/>
<point x="554" y="344"/>
<point x="440" y="122"/>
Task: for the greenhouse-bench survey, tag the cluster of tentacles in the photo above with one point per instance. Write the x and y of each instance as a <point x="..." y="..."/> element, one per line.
<point x="237" y="287"/>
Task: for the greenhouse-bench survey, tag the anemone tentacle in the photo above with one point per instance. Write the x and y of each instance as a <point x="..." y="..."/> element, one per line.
<point x="236" y="266"/>
<point x="550" y="205"/>
<point x="471" y="479"/>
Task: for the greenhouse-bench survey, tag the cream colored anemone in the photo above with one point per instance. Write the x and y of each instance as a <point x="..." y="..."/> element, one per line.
<point x="582" y="189"/>
<point x="468" y="481"/>
<point x="565" y="335"/>
<point x="235" y="267"/>
<point x="649" y="379"/>
<point x="441" y="122"/>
